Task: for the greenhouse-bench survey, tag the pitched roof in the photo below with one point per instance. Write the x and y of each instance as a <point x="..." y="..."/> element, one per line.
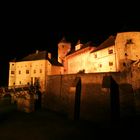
<point x="54" y="62"/>
<point x="83" y="46"/>
<point x="40" y="55"/>
<point x="63" y="40"/>
<point x="108" y="42"/>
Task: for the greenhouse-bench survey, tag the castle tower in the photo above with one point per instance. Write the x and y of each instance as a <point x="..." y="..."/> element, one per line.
<point x="64" y="48"/>
<point x="128" y="43"/>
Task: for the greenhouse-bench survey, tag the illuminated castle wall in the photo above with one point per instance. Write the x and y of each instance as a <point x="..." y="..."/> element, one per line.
<point x="117" y="53"/>
<point x="127" y="47"/>
<point x="32" y="68"/>
<point x="78" y="60"/>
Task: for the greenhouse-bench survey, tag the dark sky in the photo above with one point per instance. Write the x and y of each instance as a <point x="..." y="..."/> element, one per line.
<point x="25" y="29"/>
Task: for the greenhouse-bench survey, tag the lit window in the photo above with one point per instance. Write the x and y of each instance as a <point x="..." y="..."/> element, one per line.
<point x="110" y="51"/>
<point x="27" y="71"/>
<point x="12" y="72"/>
<point x="110" y="63"/>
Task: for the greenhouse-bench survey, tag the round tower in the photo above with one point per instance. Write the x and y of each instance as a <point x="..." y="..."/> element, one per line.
<point x="64" y="48"/>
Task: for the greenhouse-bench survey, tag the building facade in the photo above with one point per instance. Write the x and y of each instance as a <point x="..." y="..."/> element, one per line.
<point x="33" y="68"/>
<point x="117" y="53"/>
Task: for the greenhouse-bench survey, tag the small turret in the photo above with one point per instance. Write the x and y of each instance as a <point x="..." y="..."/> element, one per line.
<point x="63" y="48"/>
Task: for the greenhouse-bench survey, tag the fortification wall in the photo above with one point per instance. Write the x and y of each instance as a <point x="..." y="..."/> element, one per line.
<point x="97" y="100"/>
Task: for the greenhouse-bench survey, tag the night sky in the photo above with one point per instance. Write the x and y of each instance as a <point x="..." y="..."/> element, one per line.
<point x="25" y="30"/>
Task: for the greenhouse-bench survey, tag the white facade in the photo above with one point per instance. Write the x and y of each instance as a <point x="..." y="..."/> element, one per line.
<point x="104" y="60"/>
<point x="109" y="57"/>
<point x="28" y="72"/>
<point x="79" y="61"/>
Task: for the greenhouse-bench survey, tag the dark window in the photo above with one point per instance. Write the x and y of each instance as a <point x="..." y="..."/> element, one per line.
<point x="110" y="51"/>
<point x="34" y="71"/>
<point x="95" y="55"/>
<point x="19" y="82"/>
<point x="12" y="72"/>
<point x="19" y="72"/>
<point x="40" y="70"/>
<point x="124" y="64"/>
<point x="27" y="71"/>
<point x="129" y="41"/>
<point x="126" y="54"/>
<point x="110" y="63"/>
<point x="100" y="65"/>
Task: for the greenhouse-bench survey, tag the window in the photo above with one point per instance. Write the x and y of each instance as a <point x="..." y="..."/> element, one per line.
<point x="110" y="63"/>
<point x="34" y="71"/>
<point x="129" y="41"/>
<point x="19" y="72"/>
<point x="95" y="55"/>
<point x="110" y="51"/>
<point x="12" y="64"/>
<point x="100" y="65"/>
<point x="126" y="54"/>
<point x="40" y="70"/>
<point x="12" y="72"/>
<point x="124" y="64"/>
<point x="27" y="71"/>
<point x="19" y="82"/>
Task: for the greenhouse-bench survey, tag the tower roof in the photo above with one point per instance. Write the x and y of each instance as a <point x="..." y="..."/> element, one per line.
<point x="78" y="42"/>
<point x="63" y="40"/>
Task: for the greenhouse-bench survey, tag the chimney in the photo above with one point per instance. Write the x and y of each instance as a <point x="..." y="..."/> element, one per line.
<point x="49" y="55"/>
<point x="78" y="45"/>
<point x="37" y="51"/>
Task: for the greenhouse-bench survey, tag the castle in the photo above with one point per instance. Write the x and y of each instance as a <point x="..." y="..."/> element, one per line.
<point x="117" y="53"/>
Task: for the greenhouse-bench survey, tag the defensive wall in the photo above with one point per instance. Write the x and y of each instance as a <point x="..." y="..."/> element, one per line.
<point x="94" y="96"/>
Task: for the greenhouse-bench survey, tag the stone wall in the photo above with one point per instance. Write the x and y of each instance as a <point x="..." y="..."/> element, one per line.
<point x="97" y="101"/>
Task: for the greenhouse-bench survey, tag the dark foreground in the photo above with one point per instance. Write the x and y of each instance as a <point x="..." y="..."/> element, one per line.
<point x="47" y="125"/>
